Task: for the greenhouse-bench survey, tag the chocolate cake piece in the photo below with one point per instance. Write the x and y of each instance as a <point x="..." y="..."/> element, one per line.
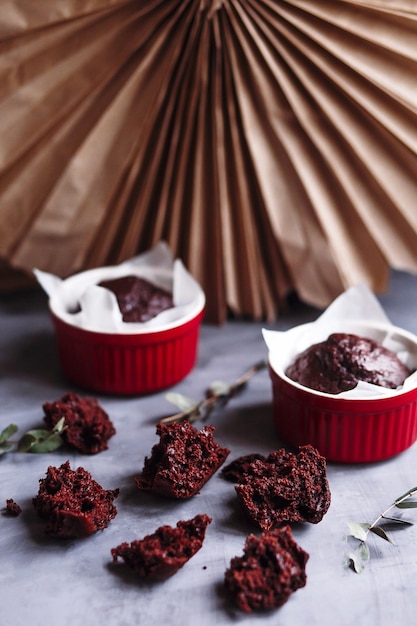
<point x="182" y="461"/>
<point x="87" y="426"/>
<point x="139" y="300"/>
<point x="271" y="569"/>
<point x="72" y="503"/>
<point x="340" y="362"/>
<point x="286" y="487"/>
<point x="161" y="554"/>
<point x="235" y="470"/>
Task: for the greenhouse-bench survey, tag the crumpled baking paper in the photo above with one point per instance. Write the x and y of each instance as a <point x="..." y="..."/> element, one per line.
<point x="357" y="304"/>
<point x="79" y="300"/>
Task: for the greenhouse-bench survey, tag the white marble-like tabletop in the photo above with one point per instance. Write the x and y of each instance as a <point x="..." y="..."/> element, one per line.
<point x="45" y="582"/>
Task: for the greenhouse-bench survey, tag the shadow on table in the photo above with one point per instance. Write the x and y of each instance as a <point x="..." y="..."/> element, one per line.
<point x="34" y="357"/>
<point x="251" y="427"/>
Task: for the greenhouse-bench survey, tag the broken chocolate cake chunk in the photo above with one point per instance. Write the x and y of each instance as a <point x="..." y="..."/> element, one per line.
<point x="183" y="460"/>
<point x="87" y="426"/>
<point x="286" y="487"/>
<point x="271" y="569"/>
<point x="73" y="503"/>
<point x="161" y="554"/>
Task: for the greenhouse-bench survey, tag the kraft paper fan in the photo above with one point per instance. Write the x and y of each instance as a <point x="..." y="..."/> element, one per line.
<point x="272" y="144"/>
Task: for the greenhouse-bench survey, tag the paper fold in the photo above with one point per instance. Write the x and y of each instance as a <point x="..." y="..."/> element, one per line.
<point x="273" y="145"/>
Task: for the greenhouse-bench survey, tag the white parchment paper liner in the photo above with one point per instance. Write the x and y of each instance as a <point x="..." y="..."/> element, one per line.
<point x="357" y="305"/>
<point x="79" y="301"/>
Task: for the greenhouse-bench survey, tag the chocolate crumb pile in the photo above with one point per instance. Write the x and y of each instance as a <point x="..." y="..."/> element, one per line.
<point x="161" y="554"/>
<point x="271" y="569"/>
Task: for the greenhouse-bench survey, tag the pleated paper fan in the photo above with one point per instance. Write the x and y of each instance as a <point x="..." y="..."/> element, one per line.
<point x="272" y="144"/>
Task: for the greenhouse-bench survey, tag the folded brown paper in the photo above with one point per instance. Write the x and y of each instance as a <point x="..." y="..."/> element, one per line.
<point x="273" y="145"/>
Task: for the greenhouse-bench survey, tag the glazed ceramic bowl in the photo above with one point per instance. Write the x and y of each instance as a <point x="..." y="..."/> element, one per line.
<point x="143" y="361"/>
<point x="347" y="428"/>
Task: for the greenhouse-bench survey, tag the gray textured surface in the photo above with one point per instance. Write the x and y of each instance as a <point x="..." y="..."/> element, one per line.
<point x="46" y="582"/>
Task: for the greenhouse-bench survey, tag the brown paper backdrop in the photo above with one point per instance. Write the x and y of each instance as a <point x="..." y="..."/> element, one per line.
<point x="272" y="144"/>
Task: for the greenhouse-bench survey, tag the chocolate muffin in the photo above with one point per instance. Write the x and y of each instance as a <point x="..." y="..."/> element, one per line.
<point x="161" y="554"/>
<point x="271" y="569"/>
<point x="340" y="362"/>
<point x="139" y="300"/>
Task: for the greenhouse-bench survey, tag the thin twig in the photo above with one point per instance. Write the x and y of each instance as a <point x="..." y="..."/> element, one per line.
<point x="206" y="406"/>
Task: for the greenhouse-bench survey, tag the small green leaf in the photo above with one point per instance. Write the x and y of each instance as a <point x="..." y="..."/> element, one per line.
<point x="59" y="426"/>
<point x="6" y="446"/>
<point x="47" y="445"/>
<point x="182" y="402"/>
<point x="407" y="494"/>
<point x="377" y="530"/>
<point x="358" y="558"/>
<point x="399" y="520"/>
<point x="41" y="440"/>
<point x="26" y="442"/>
<point x="38" y="433"/>
<point x="359" y="531"/>
<point x="363" y="552"/>
<point x="219" y="388"/>
<point x="407" y="504"/>
<point x="8" y="432"/>
<point x="356" y="563"/>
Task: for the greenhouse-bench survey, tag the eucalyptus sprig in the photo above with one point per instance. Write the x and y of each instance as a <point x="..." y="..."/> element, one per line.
<point x="218" y="393"/>
<point x="38" y="440"/>
<point x="5" y="444"/>
<point x="41" y="440"/>
<point x="357" y="558"/>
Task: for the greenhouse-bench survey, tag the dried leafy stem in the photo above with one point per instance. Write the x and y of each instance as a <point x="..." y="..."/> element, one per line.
<point x="219" y="393"/>
<point x="357" y="558"/>
<point x="38" y="440"/>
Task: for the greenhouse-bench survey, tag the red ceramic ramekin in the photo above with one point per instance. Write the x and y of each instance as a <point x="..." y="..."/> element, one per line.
<point x="346" y="430"/>
<point x="141" y="362"/>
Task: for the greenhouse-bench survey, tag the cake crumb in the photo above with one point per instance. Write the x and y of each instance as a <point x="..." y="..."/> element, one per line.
<point x="12" y="508"/>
